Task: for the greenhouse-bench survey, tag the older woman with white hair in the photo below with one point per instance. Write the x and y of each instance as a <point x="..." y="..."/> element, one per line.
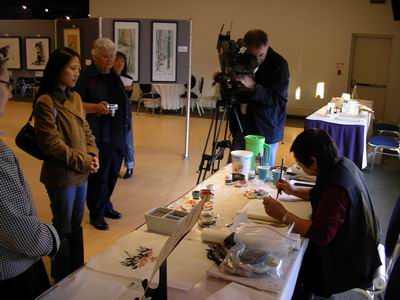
<point x="99" y="88"/>
<point x="23" y="238"/>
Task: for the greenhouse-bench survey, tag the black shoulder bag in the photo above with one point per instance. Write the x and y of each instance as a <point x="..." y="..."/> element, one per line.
<point x="26" y="140"/>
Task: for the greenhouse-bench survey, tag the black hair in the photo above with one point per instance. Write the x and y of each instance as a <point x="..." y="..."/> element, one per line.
<point x="315" y="143"/>
<point x="255" y="38"/>
<point x="120" y="54"/>
<point x="3" y="57"/>
<point x="58" y="59"/>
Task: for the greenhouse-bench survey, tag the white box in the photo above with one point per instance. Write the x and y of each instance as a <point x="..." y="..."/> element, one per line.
<point x="164" y="220"/>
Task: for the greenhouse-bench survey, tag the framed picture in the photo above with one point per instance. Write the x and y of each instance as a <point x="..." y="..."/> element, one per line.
<point x="164" y="37"/>
<point x="14" y="51"/>
<point x="126" y="38"/>
<point x="72" y="39"/>
<point x="37" y="51"/>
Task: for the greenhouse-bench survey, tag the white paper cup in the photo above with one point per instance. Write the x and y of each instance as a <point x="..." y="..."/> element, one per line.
<point x="241" y="161"/>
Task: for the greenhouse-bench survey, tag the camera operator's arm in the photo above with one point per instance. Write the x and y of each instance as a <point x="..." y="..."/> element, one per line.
<point x="247" y="81"/>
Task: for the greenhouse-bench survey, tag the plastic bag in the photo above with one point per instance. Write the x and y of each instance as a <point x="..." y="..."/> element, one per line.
<point x="265" y="237"/>
<point x="259" y="250"/>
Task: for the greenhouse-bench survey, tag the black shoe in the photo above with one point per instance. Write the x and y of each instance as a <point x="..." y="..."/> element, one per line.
<point x="128" y="173"/>
<point x="112" y="214"/>
<point x="99" y="224"/>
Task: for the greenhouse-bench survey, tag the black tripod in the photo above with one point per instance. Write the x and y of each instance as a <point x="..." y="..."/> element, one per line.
<point x="211" y="162"/>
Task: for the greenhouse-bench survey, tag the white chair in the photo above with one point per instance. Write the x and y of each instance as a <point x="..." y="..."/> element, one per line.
<point x="195" y="95"/>
<point x="26" y="85"/>
<point x="146" y="96"/>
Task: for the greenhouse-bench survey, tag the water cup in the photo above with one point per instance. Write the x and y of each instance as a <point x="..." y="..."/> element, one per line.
<point x="196" y="195"/>
<point x="263" y="173"/>
<point x="276" y="173"/>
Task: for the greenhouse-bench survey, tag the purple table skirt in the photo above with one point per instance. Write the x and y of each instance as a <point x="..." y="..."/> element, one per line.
<point x="348" y="138"/>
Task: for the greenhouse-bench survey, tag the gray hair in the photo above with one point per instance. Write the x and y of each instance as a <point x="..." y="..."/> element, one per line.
<point x="102" y="43"/>
<point x="3" y="58"/>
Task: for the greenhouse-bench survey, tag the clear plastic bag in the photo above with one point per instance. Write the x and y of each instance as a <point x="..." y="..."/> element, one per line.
<point x="259" y="250"/>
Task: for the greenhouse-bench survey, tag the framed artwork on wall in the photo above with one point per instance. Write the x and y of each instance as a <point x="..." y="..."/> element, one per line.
<point x="126" y="38"/>
<point x="14" y="51"/>
<point x="37" y="51"/>
<point x="164" y="43"/>
<point x="72" y="39"/>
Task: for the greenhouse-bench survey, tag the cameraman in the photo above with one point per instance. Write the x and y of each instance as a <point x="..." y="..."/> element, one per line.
<point x="264" y="111"/>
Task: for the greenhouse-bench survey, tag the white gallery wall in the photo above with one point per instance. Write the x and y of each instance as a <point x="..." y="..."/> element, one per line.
<point x="313" y="35"/>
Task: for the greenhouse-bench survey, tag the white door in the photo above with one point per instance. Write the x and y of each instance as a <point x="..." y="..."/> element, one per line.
<point x="369" y="63"/>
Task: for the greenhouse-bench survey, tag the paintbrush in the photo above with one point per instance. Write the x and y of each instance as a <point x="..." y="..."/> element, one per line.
<point x="280" y="177"/>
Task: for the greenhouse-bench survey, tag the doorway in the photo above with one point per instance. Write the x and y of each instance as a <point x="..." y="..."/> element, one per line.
<point x="369" y="69"/>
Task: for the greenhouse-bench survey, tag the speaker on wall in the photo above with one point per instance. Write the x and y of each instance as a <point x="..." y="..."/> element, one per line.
<point x="396" y="9"/>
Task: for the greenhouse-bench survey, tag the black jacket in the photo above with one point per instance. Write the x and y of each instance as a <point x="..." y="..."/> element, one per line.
<point x="266" y="109"/>
<point x="351" y="258"/>
<point x="95" y="87"/>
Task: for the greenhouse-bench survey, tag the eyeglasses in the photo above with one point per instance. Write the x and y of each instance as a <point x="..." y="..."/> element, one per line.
<point x="6" y="83"/>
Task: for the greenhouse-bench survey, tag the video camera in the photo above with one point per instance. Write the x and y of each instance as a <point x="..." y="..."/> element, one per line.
<point x="235" y="60"/>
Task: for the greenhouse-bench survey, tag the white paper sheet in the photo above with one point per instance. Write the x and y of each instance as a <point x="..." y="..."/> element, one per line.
<point x="234" y="291"/>
<point x="262" y="283"/>
<point x="89" y="286"/>
<point x="109" y="261"/>
<point x="255" y="209"/>
<point x="186" y="265"/>
<point x="126" y="81"/>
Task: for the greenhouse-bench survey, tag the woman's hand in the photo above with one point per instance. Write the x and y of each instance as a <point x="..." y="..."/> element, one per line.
<point x="94" y="166"/>
<point x="285" y="186"/>
<point x="274" y="208"/>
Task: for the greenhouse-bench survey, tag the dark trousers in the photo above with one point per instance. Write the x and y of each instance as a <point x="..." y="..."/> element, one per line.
<point x="70" y="255"/>
<point x="101" y="185"/>
<point x="27" y="285"/>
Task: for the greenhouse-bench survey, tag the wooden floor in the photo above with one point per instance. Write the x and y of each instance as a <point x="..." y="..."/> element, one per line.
<point x="161" y="174"/>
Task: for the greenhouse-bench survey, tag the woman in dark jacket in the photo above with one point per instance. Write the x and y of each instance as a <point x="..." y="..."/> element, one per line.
<point x="64" y="136"/>
<point x="120" y="68"/>
<point x="343" y="232"/>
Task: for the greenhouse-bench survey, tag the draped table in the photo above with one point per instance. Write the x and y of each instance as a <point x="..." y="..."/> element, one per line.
<point x="170" y="95"/>
<point x="348" y="131"/>
<point x="187" y="264"/>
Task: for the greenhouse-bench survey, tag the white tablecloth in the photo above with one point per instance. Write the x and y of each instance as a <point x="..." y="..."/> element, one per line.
<point x="228" y="201"/>
<point x="170" y="95"/>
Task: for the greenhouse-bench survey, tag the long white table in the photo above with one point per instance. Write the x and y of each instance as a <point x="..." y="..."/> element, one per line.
<point x="89" y="284"/>
<point x="170" y="95"/>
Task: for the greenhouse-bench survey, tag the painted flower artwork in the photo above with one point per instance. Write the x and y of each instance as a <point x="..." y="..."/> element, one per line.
<point x="143" y="256"/>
